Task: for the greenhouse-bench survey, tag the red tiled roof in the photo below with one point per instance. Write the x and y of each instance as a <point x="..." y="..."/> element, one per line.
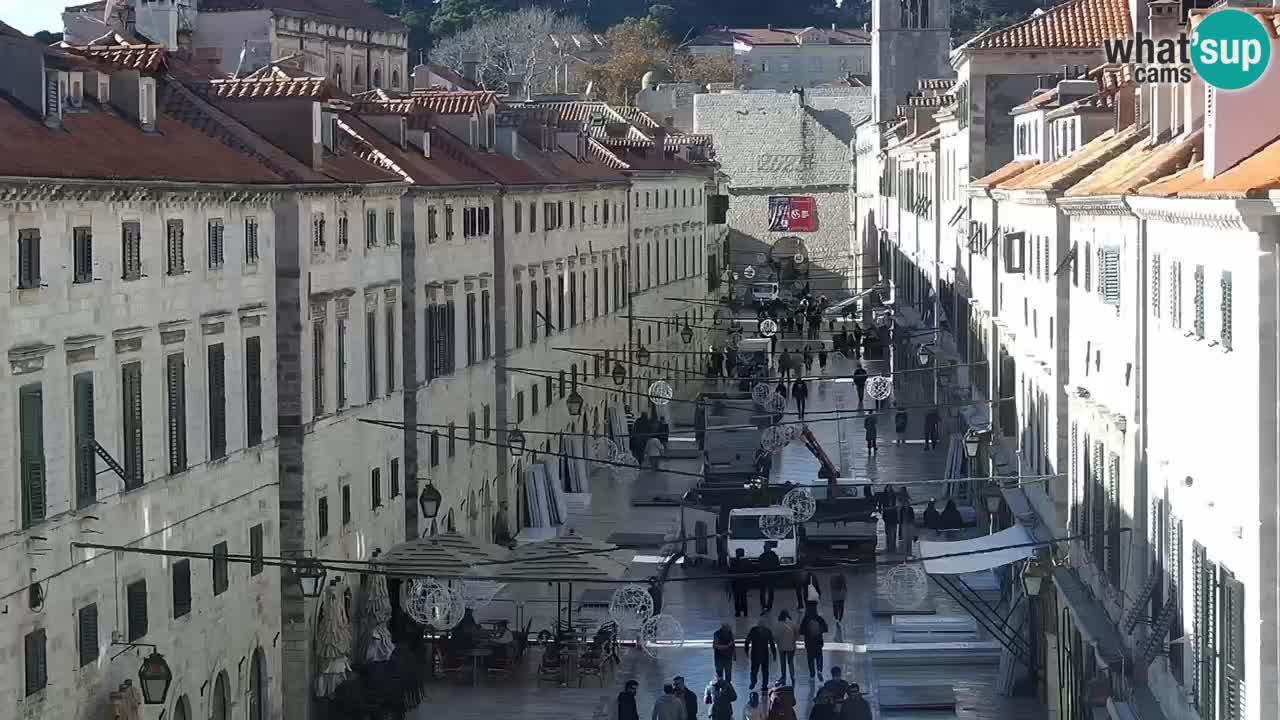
<point x="1253" y="177"/>
<point x="935" y="83"/>
<point x="1039" y="100"/>
<point x="452" y="76"/>
<point x="1270" y="18"/>
<point x="99" y="145"/>
<point x="777" y="36"/>
<point x="604" y="155"/>
<point x="1006" y="172"/>
<point x="144" y="58"/>
<point x="1075" y="24"/>
<point x="1067" y="171"/>
<point x="460" y="102"/>
<point x="1141" y="165"/>
<point x="246" y="88"/>
<point x="410" y="164"/>
<point x="358" y="13"/>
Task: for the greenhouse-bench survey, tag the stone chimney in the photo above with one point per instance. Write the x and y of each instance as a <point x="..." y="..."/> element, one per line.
<point x="515" y="88"/>
<point x="471" y="68"/>
<point x="1164" y="21"/>
<point x="1071" y="90"/>
<point x="660" y="141"/>
<point x="421" y="77"/>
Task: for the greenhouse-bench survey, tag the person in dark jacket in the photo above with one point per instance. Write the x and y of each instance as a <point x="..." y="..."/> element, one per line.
<point x="907" y="530"/>
<point x="782" y="388"/>
<point x="800" y="391"/>
<point x="824" y="708"/>
<point x="856" y="706"/>
<point x="870" y="426"/>
<point x="627" y="702"/>
<point x="900" y="425"/>
<point x="822" y="359"/>
<point x="932" y="429"/>
<point x="951" y="519"/>
<point x="807" y="357"/>
<point x="860" y="382"/>
<point x="782" y="703"/>
<point x="932" y="518"/>
<point x="769" y="562"/>
<point x="839" y="589"/>
<point x="686" y="696"/>
<point x="721" y="696"/>
<point x="722" y="648"/>
<point x="856" y="345"/>
<point x="758" y="646"/>
<point x="738" y="571"/>
<point x="813" y="629"/>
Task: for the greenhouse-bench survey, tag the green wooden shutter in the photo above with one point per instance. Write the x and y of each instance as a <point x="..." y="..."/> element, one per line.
<point x="36" y="661"/>
<point x="1110" y="281"/>
<point x="1073" y="509"/>
<point x="181" y="587"/>
<point x="1113" y="520"/>
<point x="136" y="603"/>
<point x="1209" y="647"/>
<point x="371" y="354"/>
<point x="86" y="461"/>
<point x="134" y="460"/>
<point x="217" y="401"/>
<point x="253" y="389"/>
<point x="221" y="574"/>
<point x="176" y="392"/>
<point x="87" y="636"/>
<point x="1233" y="648"/>
<point x="31" y="411"/>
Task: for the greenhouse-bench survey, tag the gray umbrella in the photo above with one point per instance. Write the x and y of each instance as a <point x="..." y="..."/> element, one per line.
<point x="333" y="641"/>
<point x="374" y="637"/>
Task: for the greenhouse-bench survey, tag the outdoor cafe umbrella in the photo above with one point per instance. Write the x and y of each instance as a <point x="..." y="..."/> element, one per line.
<point x="333" y="641"/>
<point x="374" y="642"/>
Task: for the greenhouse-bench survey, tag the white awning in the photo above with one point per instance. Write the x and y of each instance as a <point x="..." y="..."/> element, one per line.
<point x="977" y="554"/>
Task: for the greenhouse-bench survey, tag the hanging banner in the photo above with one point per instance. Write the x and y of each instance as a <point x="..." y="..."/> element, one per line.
<point x="793" y="213"/>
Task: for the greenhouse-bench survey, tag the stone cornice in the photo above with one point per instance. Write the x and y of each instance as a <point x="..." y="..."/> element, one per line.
<point x="20" y="190"/>
<point x="1030" y="198"/>
<point x="1240" y="215"/>
<point x="1100" y="205"/>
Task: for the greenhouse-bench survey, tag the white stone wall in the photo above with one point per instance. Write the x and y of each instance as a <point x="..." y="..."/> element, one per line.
<point x="95" y="327"/>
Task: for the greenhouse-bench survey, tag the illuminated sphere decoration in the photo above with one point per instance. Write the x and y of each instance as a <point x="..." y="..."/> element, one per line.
<point x="761" y="258"/>
<point x="775" y="527"/>
<point x="661" y="632"/>
<point x="749" y="273"/>
<point x="801" y="503"/>
<point x="790" y="433"/>
<point x="434" y="605"/>
<point x="661" y="392"/>
<point x="760" y="393"/>
<point x="603" y="448"/>
<point x="800" y="258"/>
<point x="905" y="587"/>
<point x="776" y="403"/>
<point x="879" y="387"/>
<point x="769" y="328"/>
<point x="631" y="605"/>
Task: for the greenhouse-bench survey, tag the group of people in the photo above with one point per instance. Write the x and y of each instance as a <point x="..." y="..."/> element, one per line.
<point x="649" y="436"/>
<point x="836" y="699"/>
<point x="789" y="364"/>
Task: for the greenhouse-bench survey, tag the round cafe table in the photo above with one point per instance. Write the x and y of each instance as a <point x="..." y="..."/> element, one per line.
<point x="476" y="655"/>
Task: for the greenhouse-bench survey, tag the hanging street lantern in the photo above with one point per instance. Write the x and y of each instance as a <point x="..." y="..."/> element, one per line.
<point x="619" y="374"/>
<point x="574" y="403"/>
<point x="971" y="444"/>
<point x="1033" y="576"/>
<point x="155" y="677"/>
<point x="515" y="441"/>
<point x="429" y="501"/>
<point x="687" y="335"/>
<point x="311" y="574"/>
<point x="642" y="355"/>
<point x="923" y="355"/>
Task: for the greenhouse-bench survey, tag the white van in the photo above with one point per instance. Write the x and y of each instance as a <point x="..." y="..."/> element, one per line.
<point x="745" y="534"/>
<point x="764" y="292"/>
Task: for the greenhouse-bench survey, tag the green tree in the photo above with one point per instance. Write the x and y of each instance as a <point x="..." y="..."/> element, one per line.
<point x="454" y="16"/>
<point x="636" y="46"/>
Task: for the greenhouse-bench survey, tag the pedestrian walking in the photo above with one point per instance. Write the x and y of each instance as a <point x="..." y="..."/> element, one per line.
<point x="889" y="512"/>
<point x="932" y="519"/>
<point x="857" y="341"/>
<point x="627" y="709"/>
<point x="786" y="363"/>
<point x="900" y="425"/>
<point x="908" y="527"/>
<point x="738" y="571"/>
<point x="822" y="359"/>
<point x="855" y="706"/>
<point x="824" y="708"/>
<point x="837" y="688"/>
<point x="800" y="391"/>
<point x="932" y="429"/>
<point x="722" y="646"/>
<point x="720" y="696"/>
<point x="782" y="703"/>
<point x="769" y="563"/>
<point x="686" y="696"/>
<point x="950" y="519"/>
<point x="781" y="389"/>
<point x="839" y="589"/>
<point x="813" y="629"/>
<point x="812" y="593"/>
<point x="870" y="426"/>
<point x="758" y="646"/>
<point x="668" y="706"/>
<point x="807" y="356"/>
<point x="860" y="382"/>
<point x="785" y="634"/>
<point x="755" y="709"/>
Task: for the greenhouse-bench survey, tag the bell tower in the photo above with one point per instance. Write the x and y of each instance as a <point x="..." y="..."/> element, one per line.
<point x="910" y="40"/>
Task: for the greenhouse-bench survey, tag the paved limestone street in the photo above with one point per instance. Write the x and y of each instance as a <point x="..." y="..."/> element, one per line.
<point x="701" y="605"/>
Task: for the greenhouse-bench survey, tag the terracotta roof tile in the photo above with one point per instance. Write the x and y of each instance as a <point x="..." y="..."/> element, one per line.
<point x="1169" y="186"/>
<point x="1255" y="176"/>
<point x="1270" y="18"/>
<point x="604" y="155"/>
<point x="935" y="83"/>
<point x="1037" y="101"/>
<point x="777" y="36"/>
<point x="1141" y="165"/>
<point x="359" y="13"/>
<point x="1005" y="172"/>
<point x="144" y="58"/>
<point x="410" y="164"/>
<point x="447" y="102"/>
<point x="1065" y="172"/>
<point x="1073" y="24"/>
<point x="242" y="89"/>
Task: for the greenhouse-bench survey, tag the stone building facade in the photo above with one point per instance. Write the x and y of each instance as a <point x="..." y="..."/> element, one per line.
<point x="775" y="58"/>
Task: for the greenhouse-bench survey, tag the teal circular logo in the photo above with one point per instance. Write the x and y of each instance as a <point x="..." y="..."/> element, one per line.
<point x="1230" y="49"/>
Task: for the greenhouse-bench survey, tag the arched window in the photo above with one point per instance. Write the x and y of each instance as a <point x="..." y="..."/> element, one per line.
<point x="357" y="77"/>
<point x="395" y="79"/>
<point x="337" y="75"/>
<point x="258" y="686"/>
<point x="220" y="708"/>
<point x="377" y="77"/>
<point x="182" y="709"/>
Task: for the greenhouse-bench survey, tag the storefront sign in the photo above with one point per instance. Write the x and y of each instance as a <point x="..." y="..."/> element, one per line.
<point x="793" y="213"/>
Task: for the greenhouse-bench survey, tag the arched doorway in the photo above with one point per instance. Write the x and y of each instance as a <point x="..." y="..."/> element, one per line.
<point x="182" y="709"/>
<point x="258" y="686"/>
<point x="220" y="707"/>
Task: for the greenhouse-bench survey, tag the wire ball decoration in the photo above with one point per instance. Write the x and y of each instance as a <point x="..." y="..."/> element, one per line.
<point x="603" y="448"/>
<point x="631" y="605"/>
<point x="760" y="393"/>
<point x="776" y="403"/>
<point x="801" y="504"/>
<point x="480" y="593"/>
<point x="434" y="605"/>
<point x="772" y="439"/>
<point x="769" y="328"/>
<point x="661" y="632"/>
<point x="661" y="392"/>
<point x="790" y="432"/>
<point x="761" y="258"/>
<point x="800" y="258"/>
<point x="775" y="527"/>
<point x="905" y="587"/>
<point x="749" y="272"/>
<point x="879" y="387"/>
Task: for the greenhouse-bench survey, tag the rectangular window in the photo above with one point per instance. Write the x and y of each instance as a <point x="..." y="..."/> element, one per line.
<point x="453" y="439"/>
<point x="560" y="302"/>
<point x="520" y="406"/>
<point x="533" y="409"/>
<point x="488" y="425"/>
<point x="1204" y="624"/>
<point x="1109" y="280"/>
<point x="546" y="304"/>
<point x="518" y="210"/>
<point x="433" y="448"/>
<point x="253" y="390"/>
<point x="86" y="460"/>
<point x="82" y="254"/>
<point x="433" y="232"/>
<point x="533" y="217"/>
<point x="391" y="227"/>
<point x="371" y="229"/>
<point x="31" y="437"/>
<point x="471" y="328"/>
<point x="346" y="504"/>
<point x="35" y="661"/>
<point x="1175" y="294"/>
<point x="217" y="402"/>
<point x="595" y="292"/>
<point x="1232" y="655"/>
<point x="217" y="249"/>
<point x="175" y="254"/>
<point x="251" y="239"/>
<point x="371" y="354"/>
<point x="391" y="348"/>
<point x="344" y="232"/>
<point x="255" y="550"/>
<point x="1225" y="330"/>
<point x="375" y="488"/>
<point x="448" y="222"/>
<point x="131" y="250"/>
<point x="341" y="368"/>
<point x="87" y="634"/>
<point x="181" y="580"/>
<point x="395" y="477"/>
<point x="486" y="320"/>
<point x="28" y="259"/>
<point x="1199" y="302"/>
<point x="131" y="389"/>
<point x="221" y="568"/>
<point x="573" y="299"/>
<point x="1155" y="285"/>
<point x="533" y="310"/>
<point x="471" y="427"/>
<point x="322" y="517"/>
<point x="1114" y="535"/>
<point x="519" y="315"/>
<point x="317" y="367"/>
<point x="176" y="392"/>
<point x="136" y="610"/>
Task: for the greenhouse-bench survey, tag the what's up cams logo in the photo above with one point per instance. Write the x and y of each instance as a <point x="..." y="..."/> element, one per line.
<point x="1229" y="49"/>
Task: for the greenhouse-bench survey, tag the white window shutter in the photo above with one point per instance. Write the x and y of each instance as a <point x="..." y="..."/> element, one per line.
<point x="1111" y="276"/>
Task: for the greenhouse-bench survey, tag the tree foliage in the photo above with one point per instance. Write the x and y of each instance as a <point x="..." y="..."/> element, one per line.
<point x="635" y="46"/>
<point x="511" y="45"/>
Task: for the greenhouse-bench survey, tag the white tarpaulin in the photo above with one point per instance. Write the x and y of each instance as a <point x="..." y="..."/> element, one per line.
<point x="977" y="554"/>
